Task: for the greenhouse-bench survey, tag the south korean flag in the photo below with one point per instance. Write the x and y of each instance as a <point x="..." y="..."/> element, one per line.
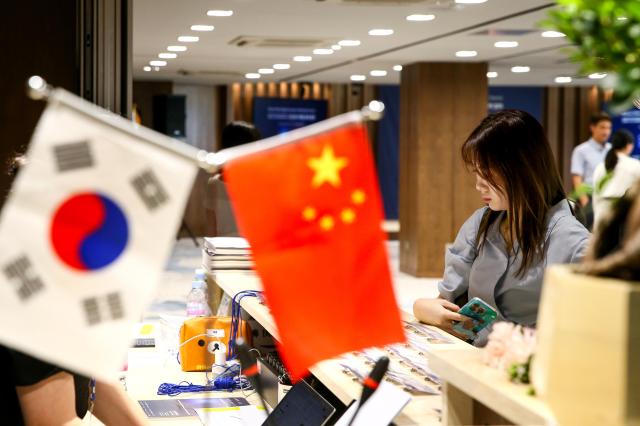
<point x="86" y="233"/>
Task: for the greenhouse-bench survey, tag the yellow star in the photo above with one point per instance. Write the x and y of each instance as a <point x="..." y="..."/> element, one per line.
<point x="358" y="196"/>
<point x="348" y="215"/>
<point x="326" y="223"/>
<point x="327" y="167"/>
<point x="309" y="213"/>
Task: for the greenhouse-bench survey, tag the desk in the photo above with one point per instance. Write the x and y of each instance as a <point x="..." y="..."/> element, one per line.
<point x="467" y="380"/>
<point x="422" y="410"/>
<point x="143" y="381"/>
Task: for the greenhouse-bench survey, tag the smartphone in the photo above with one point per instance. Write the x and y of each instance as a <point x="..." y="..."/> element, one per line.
<point x="481" y="315"/>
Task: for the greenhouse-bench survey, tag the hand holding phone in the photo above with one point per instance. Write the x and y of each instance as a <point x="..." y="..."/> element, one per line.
<point x="480" y="315"/>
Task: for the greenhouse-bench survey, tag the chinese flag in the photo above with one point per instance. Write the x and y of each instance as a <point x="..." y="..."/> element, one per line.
<point x="312" y="214"/>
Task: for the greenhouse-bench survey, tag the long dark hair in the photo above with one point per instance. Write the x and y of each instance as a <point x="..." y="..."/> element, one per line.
<point x="620" y="140"/>
<point x="511" y="146"/>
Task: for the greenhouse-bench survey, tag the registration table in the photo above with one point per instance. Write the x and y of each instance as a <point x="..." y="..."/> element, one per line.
<point x="472" y="393"/>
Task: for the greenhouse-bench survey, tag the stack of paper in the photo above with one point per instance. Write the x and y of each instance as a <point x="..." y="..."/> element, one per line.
<point x="226" y="253"/>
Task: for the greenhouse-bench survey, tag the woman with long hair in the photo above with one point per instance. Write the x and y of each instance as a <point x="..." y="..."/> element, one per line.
<point x="615" y="175"/>
<point x="501" y="251"/>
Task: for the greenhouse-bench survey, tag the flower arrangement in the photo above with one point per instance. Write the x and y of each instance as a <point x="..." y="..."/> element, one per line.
<point x="510" y="348"/>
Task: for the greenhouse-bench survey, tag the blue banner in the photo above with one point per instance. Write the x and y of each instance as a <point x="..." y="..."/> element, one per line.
<point x="273" y="116"/>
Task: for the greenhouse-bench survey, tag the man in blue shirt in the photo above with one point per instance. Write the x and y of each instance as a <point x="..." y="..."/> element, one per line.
<point x="586" y="157"/>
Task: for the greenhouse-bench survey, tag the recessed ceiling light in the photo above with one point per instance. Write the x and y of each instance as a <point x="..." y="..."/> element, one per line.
<point x="266" y="71"/>
<point x="378" y="73"/>
<point x="188" y="39"/>
<point x="470" y="1"/>
<point x="157" y="63"/>
<point x="466" y="53"/>
<point x="358" y="77"/>
<point x="336" y="47"/>
<point x="492" y="74"/>
<point x="252" y="75"/>
<point x="147" y="68"/>
<point x="176" y="48"/>
<point x="281" y="66"/>
<point x="397" y="67"/>
<point x="553" y="34"/>
<point x="167" y="55"/>
<point x="506" y="44"/>
<point x="380" y="32"/>
<point x="202" y="28"/>
<point x="597" y="75"/>
<point x="349" y="43"/>
<point x="520" y="69"/>
<point x="302" y="58"/>
<point x="322" y="51"/>
<point x="219" y="12"/>
<point x="420" y="18"/>
<point x="562" y="80"/>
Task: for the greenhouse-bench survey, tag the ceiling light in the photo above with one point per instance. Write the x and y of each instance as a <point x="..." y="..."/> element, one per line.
<point x="252" y="75"/>
<point x="378" y="73"/>
<point x="380" y="32"/>
<point x="349" y="43"/>
<point x="281" y="66"/>
<point x="562" y="80"/>
<point x="470" y="1"/>
<point x="553" y="34"/>
<point x="466" y="53"/>
<point x="336" y="47"/>
<point x="147" y="68"/>
<point x="176" y="48"/>
<point x="322" y="51"/>
<point x="397" y="67"/>
<point x="302" y="58"/>
<point x="167" y="55"/>
<point x="520" y="69"/>
<point x="420" y="18"/>
<point x="492" y="74"/>
<point x="597" y="75"/>
<point x="219" y="12"/>
<point x="188" y="39"/>
<point x="157" y="63"/>
<point x="506" y="44"/>
<point x="358" y="77"/>
<point x="202" y="28"/>
<point x="266" y="71"/>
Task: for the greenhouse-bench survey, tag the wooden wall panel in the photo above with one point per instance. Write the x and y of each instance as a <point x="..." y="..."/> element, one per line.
<point x="340" y="97"/>
<point x="440" y="103"/>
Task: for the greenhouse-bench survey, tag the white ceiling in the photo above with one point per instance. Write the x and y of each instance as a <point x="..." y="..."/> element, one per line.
<point x="213" y="60"/>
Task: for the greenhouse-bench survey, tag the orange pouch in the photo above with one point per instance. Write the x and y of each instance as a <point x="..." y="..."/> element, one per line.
<point x="195" y="355"/>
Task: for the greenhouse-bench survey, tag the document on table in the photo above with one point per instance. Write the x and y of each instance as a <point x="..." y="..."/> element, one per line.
<point x="380" y="409"/>
<point x="248" y="415"/>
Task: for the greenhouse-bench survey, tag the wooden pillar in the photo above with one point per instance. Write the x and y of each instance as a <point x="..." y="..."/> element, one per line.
<point x="440" y="104"/>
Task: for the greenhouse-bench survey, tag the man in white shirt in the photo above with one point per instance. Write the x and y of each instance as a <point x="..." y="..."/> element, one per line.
<point x="586" y="157"/>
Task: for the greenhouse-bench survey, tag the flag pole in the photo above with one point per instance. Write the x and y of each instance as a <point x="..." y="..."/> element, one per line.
<point x="212" y="162"/>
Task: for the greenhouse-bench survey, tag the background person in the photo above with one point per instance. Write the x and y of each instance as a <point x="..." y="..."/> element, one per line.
<point x="502" y="250"/>
<point x="613" y="177"/>
<point x="584" y="159"/>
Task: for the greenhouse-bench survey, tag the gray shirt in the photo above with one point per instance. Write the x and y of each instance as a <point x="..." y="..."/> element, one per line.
<point x="491" y="273"/>
<point x="586" y="157"/>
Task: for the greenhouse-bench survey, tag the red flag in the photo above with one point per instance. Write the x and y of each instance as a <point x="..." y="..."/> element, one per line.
<point x="311" y="211"/>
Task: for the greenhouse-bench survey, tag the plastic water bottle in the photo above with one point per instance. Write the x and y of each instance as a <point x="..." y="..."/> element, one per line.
<point x="200" y="275"/>
<point x="197" y="300"/>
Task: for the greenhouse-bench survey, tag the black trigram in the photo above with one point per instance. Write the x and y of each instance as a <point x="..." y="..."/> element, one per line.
<point x="20" y="272"/>
<point x="149" y="189"/>
<point x="102" y="308"/>
<point x="72" y="156"/>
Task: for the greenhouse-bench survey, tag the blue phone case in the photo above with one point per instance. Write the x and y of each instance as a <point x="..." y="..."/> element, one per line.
<point x="481" y="315"/>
